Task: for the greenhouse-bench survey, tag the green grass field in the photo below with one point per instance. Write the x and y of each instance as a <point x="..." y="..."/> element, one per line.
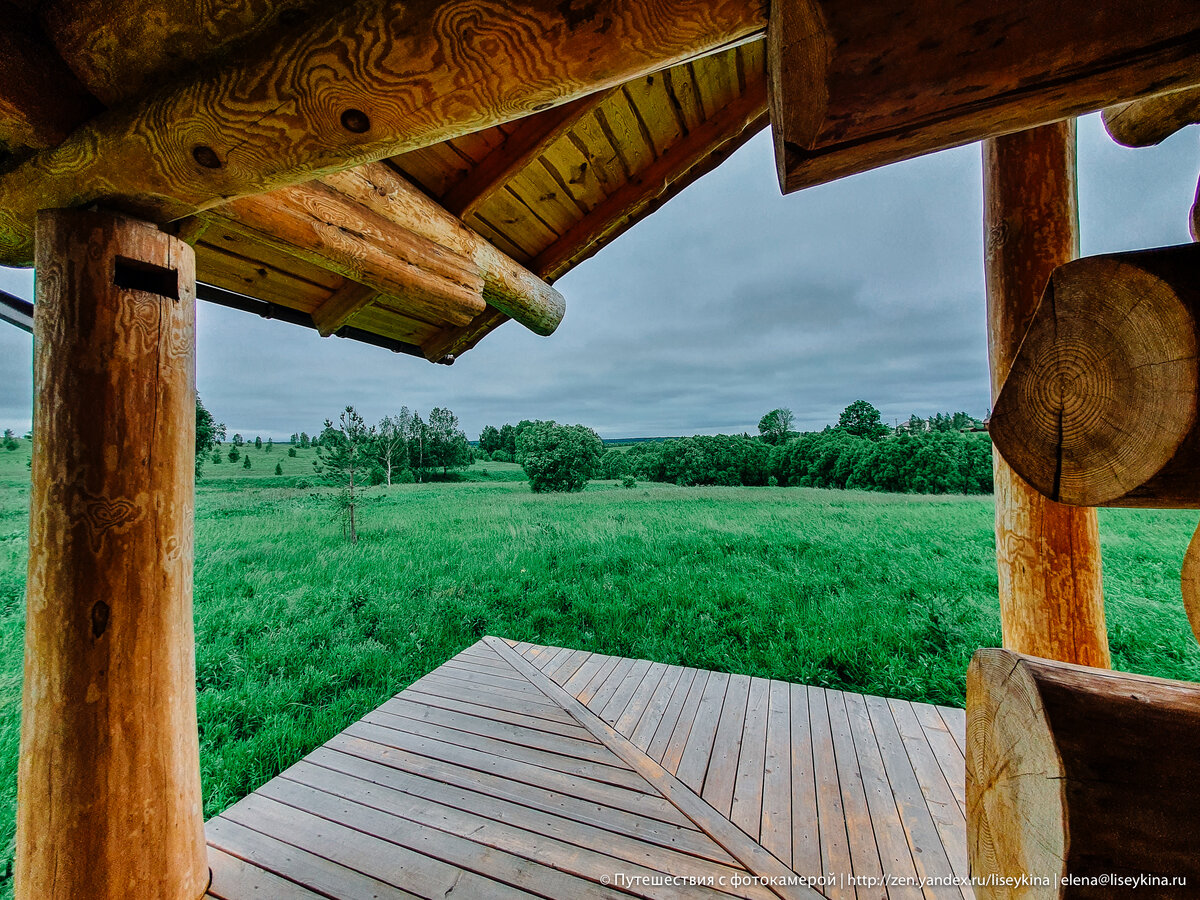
<point x="299" y="633"/>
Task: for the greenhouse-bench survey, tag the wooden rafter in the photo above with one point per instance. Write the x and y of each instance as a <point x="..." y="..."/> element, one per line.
<point x="341" y="306"/>
<point x="727" y="128"/>
<point x="527" y="143"/>
<point x="192" y="147"/>
<point x="859" y="85"/>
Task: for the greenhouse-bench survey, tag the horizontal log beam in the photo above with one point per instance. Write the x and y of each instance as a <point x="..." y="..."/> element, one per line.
<point x="1150" y="121"/>
<point x="727" y="128"/>
<point x="860" y="85"/>
<point x="1080" y="771"/>
<point x="323" y="227"/>
<point x="1101" y="405"/>
<point x="370" y="80"/>
<point x="507" y="285"/>
<point x="531" y="139"/>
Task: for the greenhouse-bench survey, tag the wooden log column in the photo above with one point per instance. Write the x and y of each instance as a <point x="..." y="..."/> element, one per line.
<point x="109" y="779"/>
<point x="1048" y="555"/>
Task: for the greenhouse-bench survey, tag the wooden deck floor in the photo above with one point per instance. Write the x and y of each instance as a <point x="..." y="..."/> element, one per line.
<point x="517" y="770"/>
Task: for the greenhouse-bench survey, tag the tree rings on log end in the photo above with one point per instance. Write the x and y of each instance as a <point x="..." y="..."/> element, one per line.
<point x="1102" y="391"/>
<point x="1016" y="803"/>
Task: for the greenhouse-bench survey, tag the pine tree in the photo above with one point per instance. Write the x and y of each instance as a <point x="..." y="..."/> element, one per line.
<point x="344" y="459"/>
<point x="258" y="443"/>
<point x="246" y="462"/>
<point x="278" y="468"/>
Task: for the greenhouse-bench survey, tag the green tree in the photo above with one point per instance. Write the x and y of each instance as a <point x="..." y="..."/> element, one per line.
<point x="392" y="444"/>
<point x="292" y="452"/>
<point x="246" y="461"/>
<point x="344" y="459"/>
<point x="304" y="441"/>
<point x="558" y="457"/>
<point x="446" y="445"/>
<point x="508" y="441"/>
<point x="10" y="439"/>
<point x="270" y="445"/>
<point x="862" y="419"/>
<point x="295" y="439"/>
<point x="234" y="455"/>
<point x="489" y="439"/>
<point x="209" y="433"/>
<point x="278" y="468"/>
<point x="238" y="440"/>
<point x="776" y="426"/>
<point x="258" y="442"/>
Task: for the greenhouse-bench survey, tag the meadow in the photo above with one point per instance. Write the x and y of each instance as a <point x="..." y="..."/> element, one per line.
<point x="299" y="633"/>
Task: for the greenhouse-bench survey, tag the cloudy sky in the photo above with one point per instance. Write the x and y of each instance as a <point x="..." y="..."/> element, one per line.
<point x="728" y="302"/>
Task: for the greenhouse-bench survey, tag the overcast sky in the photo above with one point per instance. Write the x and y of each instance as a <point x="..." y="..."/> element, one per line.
<point x="728" y="302"/>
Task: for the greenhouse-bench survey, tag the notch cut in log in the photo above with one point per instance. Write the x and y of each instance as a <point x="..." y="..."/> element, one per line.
<point x="352" y="84"/>
<point x="860" y="85"/>
<point x="1151" y="120"/>
<point x="1100" y="405"/>
<point x="108" y="802"/>
<point x="1081" y="771"/>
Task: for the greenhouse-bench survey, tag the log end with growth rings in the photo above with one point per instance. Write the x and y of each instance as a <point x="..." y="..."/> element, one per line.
<point x="1102" y="391"/>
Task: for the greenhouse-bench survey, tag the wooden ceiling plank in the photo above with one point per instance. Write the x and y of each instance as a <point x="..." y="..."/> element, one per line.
<point x="627" y="132"/>
<point x="653" y="107"/>
<point x="534" y="188"/>
<point x="388" y="323"/>
<point x="427" y="168"/>
<point x="499" y="239"/>
<point x="859" y="85"/>
<point x="724" y="128"/>
<point x="195" y="145"/>
<point x="478" y="145"/>
<point x="716" y="76"/>
<point x="529" y="141"/>
<point x="507" y="285"/>
<point x="1151" y="120"/>
<point x="254" y="254"/>
<point x="521" y="226"/>
<point x="341" y="305"/>
<point x="680" y="83"/>
<point x="214" y="266"/>
<point x="574" y="173"/>
<point x="590" y="140"/>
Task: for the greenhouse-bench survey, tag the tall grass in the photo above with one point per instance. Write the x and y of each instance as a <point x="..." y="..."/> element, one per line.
<point x="298" y="633"/>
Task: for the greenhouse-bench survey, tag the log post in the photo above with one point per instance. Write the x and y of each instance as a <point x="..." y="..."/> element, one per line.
<point x="1048" y="555"/>
<point x="1074" y="771"/>
<point x="109" y="779"/>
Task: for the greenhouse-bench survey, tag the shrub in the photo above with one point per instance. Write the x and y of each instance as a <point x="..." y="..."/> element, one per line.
<point x="292" y="452"/>
<point x="502" y="456"/>
<point x="246" y="462"/>
<point x="629" y="482"/>
<point x="772" y="481"/>
<point x="558" y="457"/>
<point x="234" y="455"/>
<point x="278" y="468"/>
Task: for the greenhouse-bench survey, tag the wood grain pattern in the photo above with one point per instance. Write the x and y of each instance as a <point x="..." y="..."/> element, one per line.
<point x="860" y="85"/>
<point x="1151" y="120"/>
<point x="1100" y="404"/>
<point x="1048" y="555"/>
<point x="41" y="100"/>
<point x="1045" y="795"/>
<point x="507" y="286"/>
<point x="109" y="773"/>
<point x="325" y="228"/>
<point x="355" y="85"/>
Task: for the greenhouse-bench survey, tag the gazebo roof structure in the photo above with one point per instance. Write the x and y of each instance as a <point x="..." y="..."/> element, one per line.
<point x="416" y="173"/>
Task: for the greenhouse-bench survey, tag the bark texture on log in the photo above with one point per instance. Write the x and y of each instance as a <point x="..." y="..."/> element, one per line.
<point x="1151" y="120"/>
<point x="1048" y="555"/>
<point x="1080" y="771"/>
<point x="109" y="774"/>
<point x="1100" y="406"/>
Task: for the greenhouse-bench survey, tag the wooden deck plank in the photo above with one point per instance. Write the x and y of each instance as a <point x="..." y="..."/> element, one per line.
<point x="520" y="774"/>
<point x="727" y="745"/>
<point x="929" y="851"/>
<point x="273" y="856"/>
<point x="672" y="753"/>
<point x="517" y="769"/>
<point x="835" y="844"/>
<point x="598" y="852"/>
<point x="956" y="724"/>
<point x="949" y="757"/>
<point x="775" y="824"/>
<point x="693" y="764"/>
<point x="747" y="808"/>
<point x="891" y="843"/>
<point x="652" y="716"/>
<point x="233" y="879"/>
<point x="864" y="852"/>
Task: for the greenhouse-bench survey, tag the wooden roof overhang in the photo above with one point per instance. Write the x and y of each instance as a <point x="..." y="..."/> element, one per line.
<point x="422" y="172"/>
